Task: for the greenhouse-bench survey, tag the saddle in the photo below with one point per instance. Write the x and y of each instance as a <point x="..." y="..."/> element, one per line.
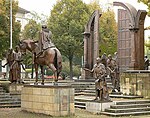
<point x="41" y="53"/>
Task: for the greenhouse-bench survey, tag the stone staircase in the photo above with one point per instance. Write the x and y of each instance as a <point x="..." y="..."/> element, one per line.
<point x="127" y="104"/>
<point x="126" y="108"/>
<point x="85" y="92"/>
<point x="7" y="101"/>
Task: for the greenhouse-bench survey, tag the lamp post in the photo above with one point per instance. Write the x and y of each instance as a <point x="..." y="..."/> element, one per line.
<point x="10" y="24"/>
<point x="31" y="31"/>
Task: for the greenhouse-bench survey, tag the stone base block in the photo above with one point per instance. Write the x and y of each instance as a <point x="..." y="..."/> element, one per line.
<point x="97" y="107"/>
<point x="135" y="82"/>
<point x="51" y="100"/>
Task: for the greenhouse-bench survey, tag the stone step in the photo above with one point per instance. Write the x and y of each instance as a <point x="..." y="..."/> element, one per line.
<point x="125" y="96"/>
<point x="8" y="99"/>
<point x="132" y="102"/>
<point x="116" y="93"/>
<point x="89" y="91"/>
<point x="4" y="94"/>
<point x="81" y="105"/>
<point x="80" y="86"/>
<point x="2" y="91"/>
<point x="128" y="110"/>
<point x="129" y="106"/>
<point x="85" y="80"/>
<point x="90" y="85"/>
<point x="92" y="90"/>
<point x="111" y="95"/>
<point x="126" y="114"/>
<point x="84" y="93"/>
<point x="10" y="105"/>
<point x="9" y="102"/>
<point x="82" y="100"/>
<point x="108" y="80"/>
<point x="86" y="88"/>
<point x="1" y="87"/>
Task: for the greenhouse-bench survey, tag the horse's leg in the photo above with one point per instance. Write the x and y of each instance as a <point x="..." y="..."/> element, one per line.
<point x="52" y="67"/>
<point x="36" y="73"/>
<point x="42" y="73"/>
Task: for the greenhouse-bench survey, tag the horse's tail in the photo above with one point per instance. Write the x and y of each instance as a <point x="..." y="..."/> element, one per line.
<point x="57" y="64"/>
<point x="55" y="60"/>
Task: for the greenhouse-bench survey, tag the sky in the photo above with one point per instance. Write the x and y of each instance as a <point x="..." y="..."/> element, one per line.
<point x="45" y="6"/>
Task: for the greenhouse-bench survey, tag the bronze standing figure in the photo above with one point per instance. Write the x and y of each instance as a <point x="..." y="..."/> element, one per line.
<point x="16" y="65"/>
<point x="113" y="71"/>
<point x="10" y="60"/>
<point x="100" y="82"/>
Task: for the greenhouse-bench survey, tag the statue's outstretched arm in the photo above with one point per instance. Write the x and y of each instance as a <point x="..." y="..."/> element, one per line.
<point x="86" y="69"/>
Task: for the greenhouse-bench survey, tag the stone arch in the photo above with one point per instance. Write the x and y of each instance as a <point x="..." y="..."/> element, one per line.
<point x="130" y="9"/>
<point x="91" y="43"/>
<point x="136" y="28"/>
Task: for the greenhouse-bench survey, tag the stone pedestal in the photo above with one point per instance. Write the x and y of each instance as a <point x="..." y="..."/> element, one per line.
<point x="135" y="82"/>
<point x="48" y="99"/>
<point x="97" y="107"/>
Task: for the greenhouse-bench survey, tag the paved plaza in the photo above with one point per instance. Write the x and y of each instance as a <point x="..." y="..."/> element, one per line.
<point x="79" y="113"/>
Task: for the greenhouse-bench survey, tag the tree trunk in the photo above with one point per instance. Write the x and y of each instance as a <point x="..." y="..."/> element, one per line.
<point x="71" y="69"/>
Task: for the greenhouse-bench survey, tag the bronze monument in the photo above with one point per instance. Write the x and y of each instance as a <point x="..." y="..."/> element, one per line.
<point x="48" y="55"/>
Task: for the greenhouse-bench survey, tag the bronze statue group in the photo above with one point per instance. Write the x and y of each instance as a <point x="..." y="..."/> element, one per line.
<point x="14" y="57"/>
<point x="105" y="67"/>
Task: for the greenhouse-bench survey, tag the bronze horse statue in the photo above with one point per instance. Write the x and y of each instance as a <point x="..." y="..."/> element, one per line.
<point x="50" y="57"/>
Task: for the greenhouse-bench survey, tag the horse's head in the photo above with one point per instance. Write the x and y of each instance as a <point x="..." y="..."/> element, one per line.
<point x="23" y="46"/>
<point x="27" y="45"/>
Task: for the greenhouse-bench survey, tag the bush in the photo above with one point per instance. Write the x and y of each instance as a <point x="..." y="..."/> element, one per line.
<point x="28" y="70"/>
<point x="66" y="70"/>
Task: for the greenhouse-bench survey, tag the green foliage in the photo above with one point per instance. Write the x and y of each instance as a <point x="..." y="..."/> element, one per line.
<point x="108" y="32"/>
<point x="39" y="18"/>
<point x="28" y="70"/>
<point x="65" y="69"/>
<point x="27" y="60"/>
<point x="5" y="25"/>
<point x="49" y="72"/>
<point x="146" y="2"/>
<point x="34" y="26"/>
<point x="66" y="22"/>
<point x="94" y="6"/>
<point x="31" y="30"/>
<point x="147" y="48"/>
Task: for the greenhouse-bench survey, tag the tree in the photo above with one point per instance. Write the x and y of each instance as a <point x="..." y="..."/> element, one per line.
<point x="33" y="26"/>
<point x="146" y="2"/>
<point x="5" y="25"/>
<point x="31" y="30"/>
<point x="66" y="22"/>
